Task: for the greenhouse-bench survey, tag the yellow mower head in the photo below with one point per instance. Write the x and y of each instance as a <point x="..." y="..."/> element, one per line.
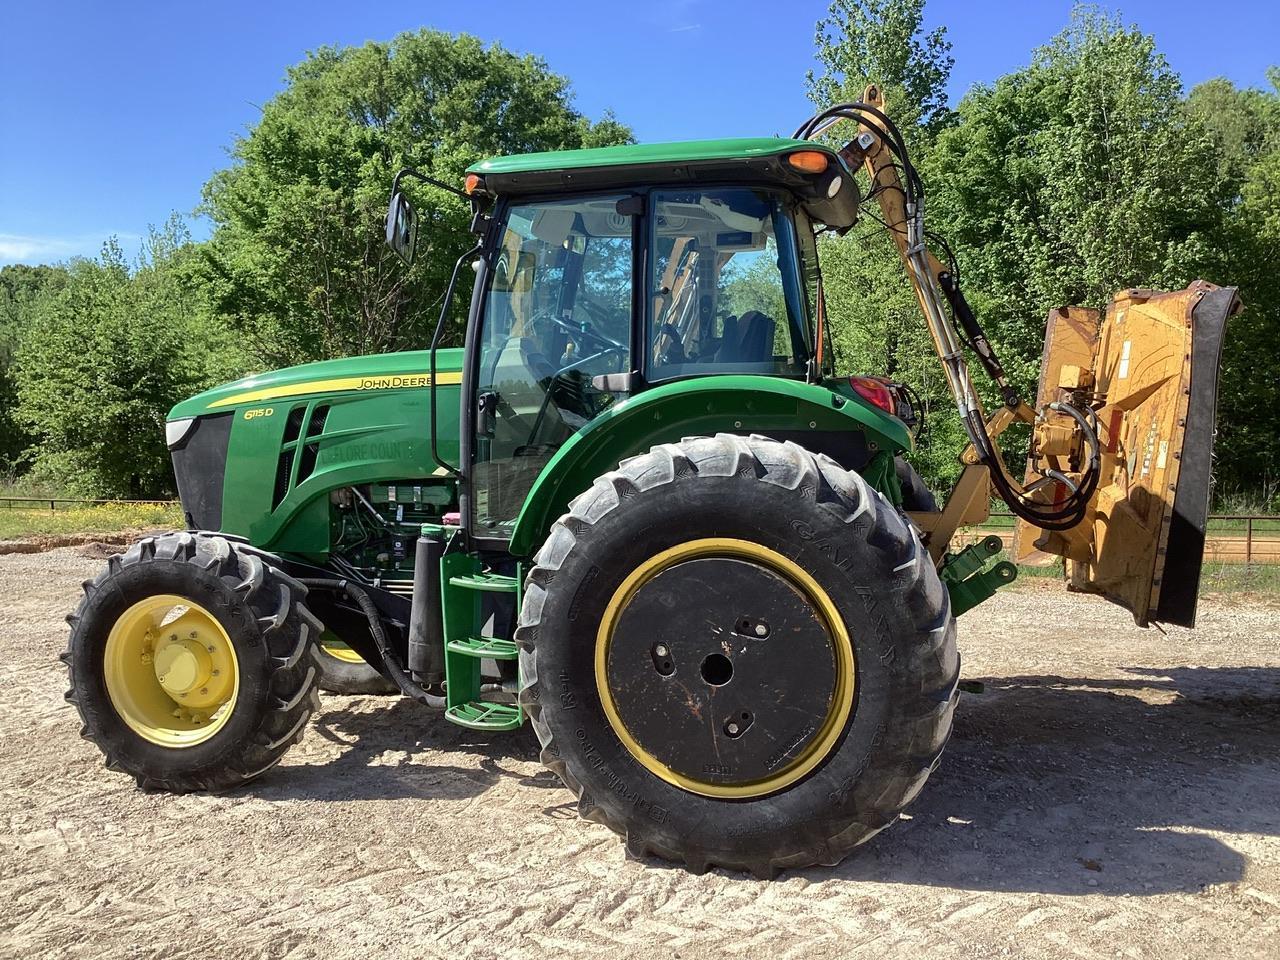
<point x="1148" y="371"/>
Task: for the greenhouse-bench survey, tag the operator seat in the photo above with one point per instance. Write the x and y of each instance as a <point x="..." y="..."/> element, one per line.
<point x="751" y="340"/>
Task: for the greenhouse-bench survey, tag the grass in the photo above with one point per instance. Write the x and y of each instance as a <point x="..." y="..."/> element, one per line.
<point x="1236" y="578"/>
<point x="17" y="522"/>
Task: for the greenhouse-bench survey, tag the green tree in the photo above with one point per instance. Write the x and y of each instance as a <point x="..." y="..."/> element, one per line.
<point x="297" y="261"/>
<point x="876" y="322"/>
<point x="883" y="42"/>
<point x="1073" y="178"/>
<point x="21" y="287"/>
<point x="1080" y="175"/>
<point x="104" y="358"/>
<point x="1245" y="127"/>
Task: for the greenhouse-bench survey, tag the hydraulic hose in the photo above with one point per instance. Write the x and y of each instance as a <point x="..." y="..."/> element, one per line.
<point x="394" y="669"/>
<point x="976" y="337"/>
<point x="963" y="327"/>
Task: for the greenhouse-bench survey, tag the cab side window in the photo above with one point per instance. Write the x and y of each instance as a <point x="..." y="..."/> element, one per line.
<point x="726" y="297"/>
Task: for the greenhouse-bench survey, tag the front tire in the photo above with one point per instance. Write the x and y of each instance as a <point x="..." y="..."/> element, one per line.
<point x="192" y="662"/>
<point x="722" y="559"/>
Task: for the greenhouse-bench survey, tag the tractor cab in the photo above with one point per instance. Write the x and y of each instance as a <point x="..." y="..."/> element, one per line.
<point x="603" y="273"/>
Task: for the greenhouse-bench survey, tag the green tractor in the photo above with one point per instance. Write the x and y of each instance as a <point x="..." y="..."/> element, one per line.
<point x="642" y="512"/>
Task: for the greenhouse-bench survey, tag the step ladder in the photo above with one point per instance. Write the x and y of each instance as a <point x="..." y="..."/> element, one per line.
<point x="462" y="588"/>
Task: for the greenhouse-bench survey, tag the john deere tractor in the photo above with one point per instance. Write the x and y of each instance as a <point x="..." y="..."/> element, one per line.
<point x="640" y="510"/>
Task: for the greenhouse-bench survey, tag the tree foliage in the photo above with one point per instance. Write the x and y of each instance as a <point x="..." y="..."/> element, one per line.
<point x="882" y="42"/>
<point x="21" y="288"/>
<point x="1245" y="129"/>
<point x="297" y="262"/>
<point x="103" y="358"/>
<point x="1073" y="178"/>
<point x="1084" y="173"/>
<point x="876" y="323"/>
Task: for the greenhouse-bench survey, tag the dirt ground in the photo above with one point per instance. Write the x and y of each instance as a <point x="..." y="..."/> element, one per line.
<point x="1113" y="793"/>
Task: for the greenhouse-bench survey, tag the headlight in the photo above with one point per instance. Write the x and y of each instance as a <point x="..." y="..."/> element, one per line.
<point x="175" y="431"/>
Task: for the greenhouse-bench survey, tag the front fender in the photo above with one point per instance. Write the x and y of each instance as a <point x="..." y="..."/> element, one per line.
<point x="722" y="404"/>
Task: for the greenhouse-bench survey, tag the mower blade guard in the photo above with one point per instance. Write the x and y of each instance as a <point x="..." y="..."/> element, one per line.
<point x="1152" y="363"/>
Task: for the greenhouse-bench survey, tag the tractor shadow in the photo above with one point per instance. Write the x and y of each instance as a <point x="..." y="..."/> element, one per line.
<point x="1050" y="784"/>
<point x="381" y="756"/>
<point x="1071" y="785"/>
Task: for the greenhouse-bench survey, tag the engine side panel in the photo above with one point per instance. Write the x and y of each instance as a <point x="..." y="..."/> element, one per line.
<point x="297" y="435"/>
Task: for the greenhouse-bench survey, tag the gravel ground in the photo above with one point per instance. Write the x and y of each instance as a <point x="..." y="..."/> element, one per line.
<point x="1113" y="792"/>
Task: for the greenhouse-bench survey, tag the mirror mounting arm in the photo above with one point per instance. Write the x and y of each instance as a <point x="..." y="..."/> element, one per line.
<point x="410" y="172"/>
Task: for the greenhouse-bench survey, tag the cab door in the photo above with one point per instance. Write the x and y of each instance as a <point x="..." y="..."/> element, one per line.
<point x="557" y="313"/>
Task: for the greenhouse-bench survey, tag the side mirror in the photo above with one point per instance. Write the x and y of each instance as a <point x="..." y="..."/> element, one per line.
<point x="402" y="227"/>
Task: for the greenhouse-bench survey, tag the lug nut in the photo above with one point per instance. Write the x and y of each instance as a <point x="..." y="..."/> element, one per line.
<point x="732" y="729"/>
<point x="146" y="658"/>
<point x="661" y="650"/>
<point x="193" y="634"/>
<point x="216" y="672"/>
<point x="209" y="647"/>
<point x="204" y="690"/>
<point x="761" y="630"/>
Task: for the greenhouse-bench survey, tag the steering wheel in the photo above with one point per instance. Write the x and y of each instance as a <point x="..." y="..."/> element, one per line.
<point x="597" y="341"/>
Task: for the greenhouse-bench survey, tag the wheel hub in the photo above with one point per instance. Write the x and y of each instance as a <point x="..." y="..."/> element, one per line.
<point x="182" y="665"/>
<point x="171" y="671"/>
<point x="721" y="671"/>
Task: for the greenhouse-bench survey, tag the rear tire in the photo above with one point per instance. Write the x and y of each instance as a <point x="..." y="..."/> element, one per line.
<point x="916" y="497"/>
<point x="244" y="602"/>
<point x="796" y="511"/>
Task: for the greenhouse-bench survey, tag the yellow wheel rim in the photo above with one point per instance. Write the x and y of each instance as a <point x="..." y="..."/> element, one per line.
<point x="171" y="671"/>
<point x="340" y="651"/>
<point x="841" y="703"/>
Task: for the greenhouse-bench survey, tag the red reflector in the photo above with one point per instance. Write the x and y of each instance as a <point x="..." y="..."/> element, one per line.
<point x="876" y="392"/>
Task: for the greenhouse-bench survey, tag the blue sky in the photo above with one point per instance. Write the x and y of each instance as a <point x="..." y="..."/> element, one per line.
<point x="112" y="115"/>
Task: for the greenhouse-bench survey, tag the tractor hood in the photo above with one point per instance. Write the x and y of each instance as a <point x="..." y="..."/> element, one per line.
<point x="258" y="456"/>
<point x="388" y="371"/>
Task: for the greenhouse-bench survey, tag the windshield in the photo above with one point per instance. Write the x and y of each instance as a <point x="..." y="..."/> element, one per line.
<point x="724" y="283"/>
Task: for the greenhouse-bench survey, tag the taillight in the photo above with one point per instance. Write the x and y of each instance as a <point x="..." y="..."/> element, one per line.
<point x="876" y="392"/>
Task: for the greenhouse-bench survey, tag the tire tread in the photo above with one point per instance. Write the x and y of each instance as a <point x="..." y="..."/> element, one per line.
<point x="287" y="628"/>
<point x="929" y="652"/>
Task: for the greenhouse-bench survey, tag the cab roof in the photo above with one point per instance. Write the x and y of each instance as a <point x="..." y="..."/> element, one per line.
<point x="679" y="151"/>
<point x="760" y="159"/>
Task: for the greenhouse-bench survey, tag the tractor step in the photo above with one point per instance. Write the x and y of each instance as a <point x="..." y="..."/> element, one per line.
<point x="493" y="582"/>
<point x="493" y="647"/>
<point x="479" y="715"/>
<point x="468" y="602"/>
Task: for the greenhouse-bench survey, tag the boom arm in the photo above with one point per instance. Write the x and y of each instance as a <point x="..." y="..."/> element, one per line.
<point x="1117" y="480"/>
<point x="1054" y="500"/>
